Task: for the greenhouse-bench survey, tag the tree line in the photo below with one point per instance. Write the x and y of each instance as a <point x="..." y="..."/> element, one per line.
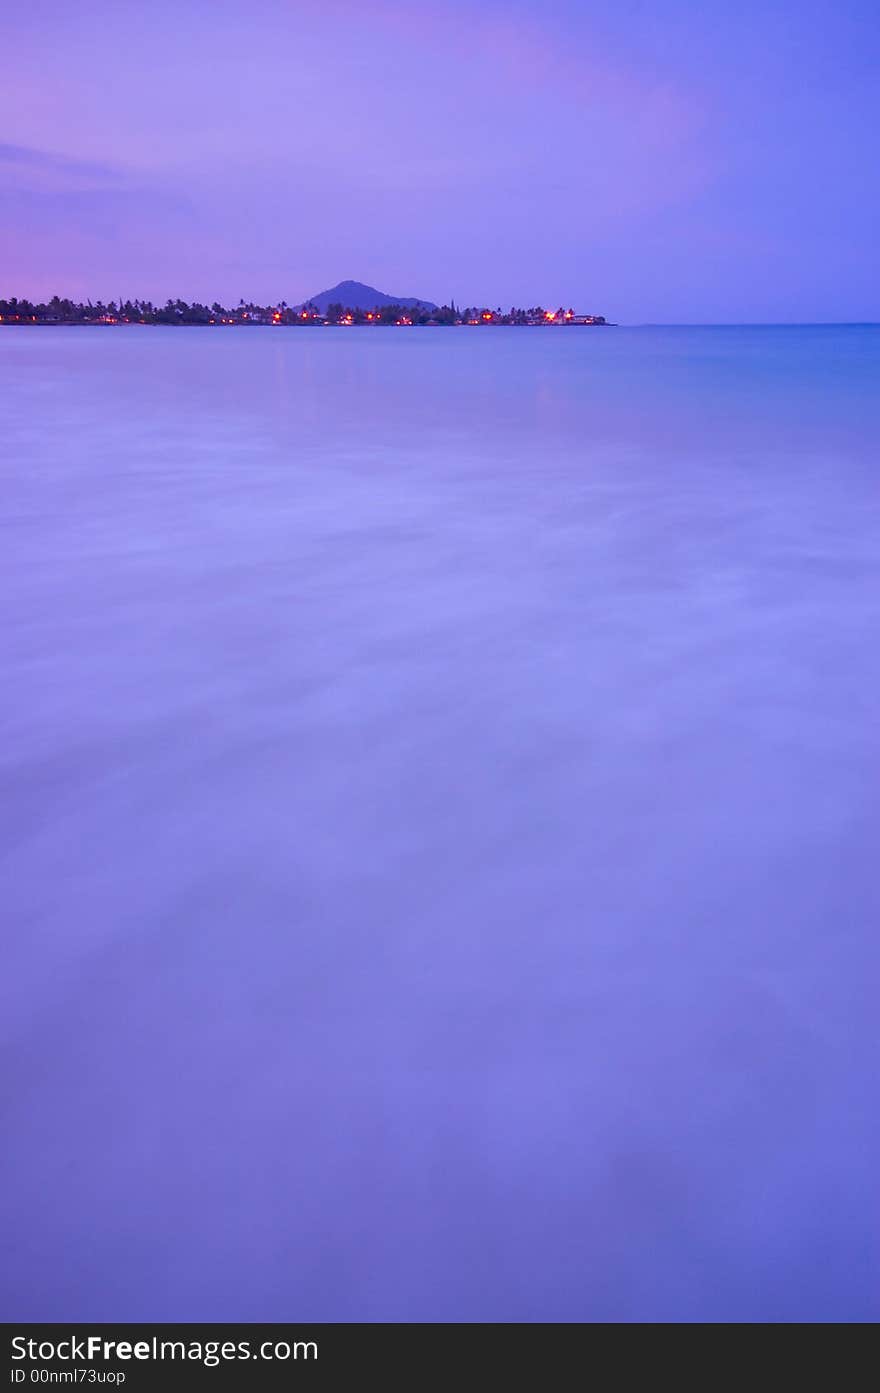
<point x="59" y="310"/>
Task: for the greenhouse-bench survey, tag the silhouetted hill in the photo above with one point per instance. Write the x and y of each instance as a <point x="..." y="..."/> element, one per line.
<point x="357" y="296"/>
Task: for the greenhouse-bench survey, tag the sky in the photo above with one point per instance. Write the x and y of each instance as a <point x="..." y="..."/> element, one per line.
<point x="650" y="160"/>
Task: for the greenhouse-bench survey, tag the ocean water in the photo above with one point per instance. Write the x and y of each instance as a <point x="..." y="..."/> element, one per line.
<point x="439" y="860"/>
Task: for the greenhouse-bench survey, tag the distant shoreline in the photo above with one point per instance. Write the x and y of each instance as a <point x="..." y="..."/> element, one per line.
<point x="190" y="324"/>
<point x="337" y="314"/>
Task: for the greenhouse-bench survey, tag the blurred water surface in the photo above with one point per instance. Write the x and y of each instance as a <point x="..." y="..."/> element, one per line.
<point x="439" y="824"/>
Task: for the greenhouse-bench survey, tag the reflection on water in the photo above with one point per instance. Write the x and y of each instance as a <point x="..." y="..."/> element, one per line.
<point x="439" y="824"/>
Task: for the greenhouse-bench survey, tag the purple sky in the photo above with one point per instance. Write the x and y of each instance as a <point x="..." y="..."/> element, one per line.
<point x="646" y="159"/>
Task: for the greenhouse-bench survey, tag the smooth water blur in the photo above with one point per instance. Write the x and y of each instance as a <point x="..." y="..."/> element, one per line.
<point x="440" y="824"/>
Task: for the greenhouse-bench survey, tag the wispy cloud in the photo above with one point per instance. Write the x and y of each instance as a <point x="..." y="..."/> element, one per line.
<point x="30" y="170"/>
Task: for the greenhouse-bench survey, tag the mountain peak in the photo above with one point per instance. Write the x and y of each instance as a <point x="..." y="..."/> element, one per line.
<point x="357" y="296"/>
